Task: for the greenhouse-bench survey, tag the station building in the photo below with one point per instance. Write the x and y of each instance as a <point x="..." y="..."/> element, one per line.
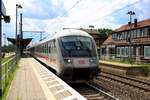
<point x="129" y="41"/>
<point x="98" y="37"/>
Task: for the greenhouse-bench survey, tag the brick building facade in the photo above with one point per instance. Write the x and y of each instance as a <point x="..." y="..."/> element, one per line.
<point x="131" y="40"/>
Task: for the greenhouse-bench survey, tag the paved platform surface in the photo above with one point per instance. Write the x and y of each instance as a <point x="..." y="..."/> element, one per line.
<point x="25" y="85"/>
<point x="35" y="82"/>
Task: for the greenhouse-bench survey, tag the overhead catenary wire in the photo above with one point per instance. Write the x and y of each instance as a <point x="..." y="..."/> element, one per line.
<point x="126" y="6"/>
<point x="77" y="2"/>
<point x="67" y="11"/>
<point x="74" y="5"/>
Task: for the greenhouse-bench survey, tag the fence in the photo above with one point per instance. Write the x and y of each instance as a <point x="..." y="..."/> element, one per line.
<point x="7" y="70"/>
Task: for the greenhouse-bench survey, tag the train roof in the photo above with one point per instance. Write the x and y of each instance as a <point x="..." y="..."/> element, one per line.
<point x="66" y="32"/>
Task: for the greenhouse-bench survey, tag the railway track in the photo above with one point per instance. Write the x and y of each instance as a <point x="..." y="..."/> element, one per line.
<point x="92" y="92"/>
<point x="133" y="82"/>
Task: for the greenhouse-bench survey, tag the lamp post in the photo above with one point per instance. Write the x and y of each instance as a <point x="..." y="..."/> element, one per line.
<point x="130" y="13"/>
<point x="7" y="20"/>
<point x="4" y="34"/>
<point x="17" y="7"/>
<point x="4" y="46"/>
<point x="91" y="26"/>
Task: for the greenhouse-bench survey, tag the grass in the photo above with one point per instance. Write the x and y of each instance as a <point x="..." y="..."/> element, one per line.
<point x="8" y="83"/>
<point x="133" y="62"/>
<point x="145" y="65"/>
<point x="5" y="59"/>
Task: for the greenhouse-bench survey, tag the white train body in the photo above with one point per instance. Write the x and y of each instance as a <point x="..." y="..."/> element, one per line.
<point x="71" y="54"/>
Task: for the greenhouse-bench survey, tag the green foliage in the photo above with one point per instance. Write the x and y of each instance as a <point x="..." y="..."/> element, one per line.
<point x="8" y="83"/>
<point x="9" y="48"/>
<point x="105" y="31"/>
<point x="146" y="70"/>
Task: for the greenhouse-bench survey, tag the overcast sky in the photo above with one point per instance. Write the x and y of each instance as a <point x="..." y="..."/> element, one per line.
<point x="53" y="15"/>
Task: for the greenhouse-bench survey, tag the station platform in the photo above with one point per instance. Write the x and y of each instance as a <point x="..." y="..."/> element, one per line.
<point x="124" y="69"/>
<point x="34" y="82"/>
<point x="117" y="64"/>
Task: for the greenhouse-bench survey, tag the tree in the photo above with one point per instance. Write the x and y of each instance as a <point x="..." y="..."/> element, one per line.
<point x="105" y="31"/>
<point x="9" y="48"/>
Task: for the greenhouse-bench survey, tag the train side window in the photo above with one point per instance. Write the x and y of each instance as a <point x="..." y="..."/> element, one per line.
<point x="42" y="48"/>
<point x="45" y="47"/>
<point x="49" y="47"/>
<point x="54" y="41"/>
<point x="52" y="46"/>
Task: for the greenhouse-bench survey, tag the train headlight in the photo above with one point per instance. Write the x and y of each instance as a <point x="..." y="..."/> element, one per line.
<point x="92" y="60"/>
<point x="68" y="60"/>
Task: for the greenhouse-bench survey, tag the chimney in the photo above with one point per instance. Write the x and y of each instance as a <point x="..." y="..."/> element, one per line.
<point x="135" y="22"/>
<point x="129" y="23"/>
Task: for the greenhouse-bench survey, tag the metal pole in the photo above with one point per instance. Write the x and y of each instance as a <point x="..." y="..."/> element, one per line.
<point x="130" y="39"/>
<point x="16" y="32"/>
<point x="40" y="36"/>
<point x="21" y="35"/>
<point x="4" y="39"/>
<point x="0" y="48"/>
<point x="130" y="13"/>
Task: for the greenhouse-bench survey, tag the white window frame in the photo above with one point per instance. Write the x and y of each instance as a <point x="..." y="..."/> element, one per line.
<point x="147" y="56"/>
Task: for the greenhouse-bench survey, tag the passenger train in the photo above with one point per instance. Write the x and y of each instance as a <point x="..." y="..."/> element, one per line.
<point x="70" y="53"/>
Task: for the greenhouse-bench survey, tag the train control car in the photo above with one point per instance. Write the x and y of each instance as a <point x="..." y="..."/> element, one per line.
<point x="72" y="55"/>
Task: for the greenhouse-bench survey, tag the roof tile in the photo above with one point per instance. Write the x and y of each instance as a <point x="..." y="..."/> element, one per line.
<point x="140" y="24"/>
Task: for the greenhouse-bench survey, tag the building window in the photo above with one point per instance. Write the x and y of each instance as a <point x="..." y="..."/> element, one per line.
<point x="131" y="51"/>
<point x="113" y="36"/>
<point x="138" y="33"/>
<point x="125" y="35"/>
<point x="118" y="36"/>
<point x="135" y="33"/>
<point x="146" y="51"/>
<point x="118" y="51"/>
<point x="146" y="31"/>
<point x="149" y="31"/>
<point x="128" y="36"/>
<point x="103" y="51"/>
<point x="122" y="51"/>
<point x="132" y="32"/>
<point x="141" y="32"/>
<point x="126" y="51"/>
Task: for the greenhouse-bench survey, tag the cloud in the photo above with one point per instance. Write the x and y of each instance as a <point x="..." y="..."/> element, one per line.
<point x="53" y="15"/>
<point x="142" y="10"/>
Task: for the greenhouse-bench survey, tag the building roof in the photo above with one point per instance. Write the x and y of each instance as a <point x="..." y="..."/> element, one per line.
<point x="108" y="41"/>
<point x="140" y="24"/>
<point x="136" y="41"/>
<point x="23" y="42"/>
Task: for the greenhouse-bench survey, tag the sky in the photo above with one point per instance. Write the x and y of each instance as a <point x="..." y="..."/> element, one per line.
<point x="53" y="15"/>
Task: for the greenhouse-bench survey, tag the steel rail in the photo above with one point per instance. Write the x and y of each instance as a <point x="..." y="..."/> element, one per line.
<point x="107" y="95"/>
<point x="125" y="82"/>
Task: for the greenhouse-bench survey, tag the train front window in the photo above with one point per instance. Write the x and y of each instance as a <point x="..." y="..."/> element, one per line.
<point x="77" y="46"/>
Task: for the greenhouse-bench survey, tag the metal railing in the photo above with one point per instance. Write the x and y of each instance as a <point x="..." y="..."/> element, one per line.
<point x="7" y="71"/>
